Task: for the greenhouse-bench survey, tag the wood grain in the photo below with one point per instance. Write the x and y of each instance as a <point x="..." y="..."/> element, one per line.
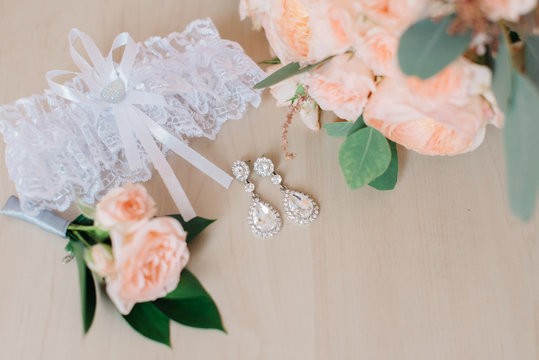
<point x="436" y="269"/>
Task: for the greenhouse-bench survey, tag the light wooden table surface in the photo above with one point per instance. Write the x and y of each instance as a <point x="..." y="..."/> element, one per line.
<point x="436" y="269"/>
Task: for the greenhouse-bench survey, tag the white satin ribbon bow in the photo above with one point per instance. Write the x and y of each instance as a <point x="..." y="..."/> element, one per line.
<point x="108" y="83"/>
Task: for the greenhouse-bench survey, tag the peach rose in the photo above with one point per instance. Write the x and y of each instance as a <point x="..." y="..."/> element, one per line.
<point x="394" y="15"/>
<point x="124" y="207"/>
<point x="342" y="85"/>
<point x="99" y="259"/>
<point x="507" y="9"/>
<point x="334" y="28"/>
<point x="378" y="48"/>
<point x="309" y="31"/>
<point x="444" y="115"/>
<point x="148" y="262"/>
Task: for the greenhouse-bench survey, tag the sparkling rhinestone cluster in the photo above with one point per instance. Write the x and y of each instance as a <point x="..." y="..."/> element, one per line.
<point x="240" y="170"/>
<point x="263" y="219"/>
<point x="300" y="207"/>
<point x="113" y="93"/>
<point x="263" y="166"/>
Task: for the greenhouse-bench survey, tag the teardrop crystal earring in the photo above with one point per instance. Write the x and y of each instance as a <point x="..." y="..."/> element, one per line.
<point x="263" y="219"/>
<point x="299" y="207"/>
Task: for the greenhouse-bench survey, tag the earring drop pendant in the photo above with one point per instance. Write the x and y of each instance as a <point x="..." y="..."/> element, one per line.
<point x="264" y="221"/>
<point x="299" y="207"/>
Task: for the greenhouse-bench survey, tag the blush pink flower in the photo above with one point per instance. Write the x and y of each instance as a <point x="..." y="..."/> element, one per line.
<point x="99" y="259"/>
<point x="444" y="115"/>
<point x="394" y="15"/>
<point x="342" y="85"/>
<point x="305" y="31"/>
<point x="147" y="263"/>
<point x="377" y="47"/>
<point x="507" y="9"/>
<point x="124" y="208"/>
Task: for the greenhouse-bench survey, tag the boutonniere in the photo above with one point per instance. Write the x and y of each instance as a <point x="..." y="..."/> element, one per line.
<point x="137" y="258"/>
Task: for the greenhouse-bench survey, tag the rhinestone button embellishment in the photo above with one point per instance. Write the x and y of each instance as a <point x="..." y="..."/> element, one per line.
<point x="114" y="92"/>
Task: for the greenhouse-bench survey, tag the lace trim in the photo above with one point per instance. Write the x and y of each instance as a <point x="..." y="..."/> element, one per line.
<point x="57" y="151"/>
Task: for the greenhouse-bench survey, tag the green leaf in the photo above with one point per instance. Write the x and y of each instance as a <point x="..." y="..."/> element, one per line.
<point x="188" y="287"/>
<point x="427" y="47"/>
<point x="521" y="134"/>
<point x="344" y="128"/>
<point x="83" y="220"/>
<point x="87" y="286"/>
<point x="286" y="72"/>
<point x="388" y="179"/>
<point x="193" y="226"/>
<point x="86" y="210"/>
<point x="532" y="58"/>
<point x="272" y="61"/>
<point x="503" y="72"/>
<point x="190" y="304"/>
<point x="150" y="322"/>
<point x="364" y="156"/>
<point x="300" y="91"/>
<point x="99" y="235"/>
<point x="358" y="124"/>
<point x="87" y="230"/>
<point x="338" y="129"/>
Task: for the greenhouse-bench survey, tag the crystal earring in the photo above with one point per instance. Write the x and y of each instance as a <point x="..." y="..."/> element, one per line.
<point x="263" y="219"/>
<point x="300" y="207"/>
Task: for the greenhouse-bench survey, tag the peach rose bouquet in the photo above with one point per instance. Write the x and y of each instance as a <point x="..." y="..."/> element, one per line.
<point x="138" y="258"/>
<point x="429" y="75"/>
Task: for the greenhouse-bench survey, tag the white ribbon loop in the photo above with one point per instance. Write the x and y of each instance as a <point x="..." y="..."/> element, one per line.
<point x="128" y="57"/>
<point x="127" y="137"/>
<point x="161" y="165"/>
<point x="133" y="124"/>
<point x="180" y="148"/>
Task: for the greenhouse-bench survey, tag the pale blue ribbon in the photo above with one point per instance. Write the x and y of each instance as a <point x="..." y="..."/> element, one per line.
<point x="46" y="220"/>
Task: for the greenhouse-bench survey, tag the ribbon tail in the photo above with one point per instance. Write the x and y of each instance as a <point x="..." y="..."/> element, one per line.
<point x="127" y="137"/>
<point x="161" y="165"/>
<point x="46" y="220"/>
<point x="183" y="150"/>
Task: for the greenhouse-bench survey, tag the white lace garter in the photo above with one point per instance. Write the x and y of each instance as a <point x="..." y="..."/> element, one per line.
<point x="113" y="120"/>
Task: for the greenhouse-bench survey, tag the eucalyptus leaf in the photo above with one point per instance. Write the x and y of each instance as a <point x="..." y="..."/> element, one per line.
<point x="338" y="129"/>
<point x="344" y="128"/>
<point x="286" y="72"/>
<point x="364" y="156"/>
<point x="388" y="179"/>
<point x="503" y="73"/>
<point x="532" y="58"/>
<point x="358" y="124"/>
<point x="194" y="226"/>
<point x="521" y="133"/>
<point x="86" y="283"/>
<point x="150" y="322"/>
<point x="427" y="47"/>
<point x="190" y="304"/>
